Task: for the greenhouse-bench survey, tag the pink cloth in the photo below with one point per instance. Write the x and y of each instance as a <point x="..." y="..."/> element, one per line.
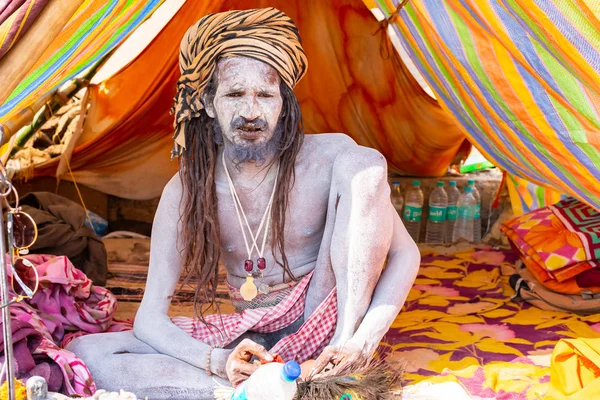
<point x="308" y="342"/>
<point x="66" y="301"/>
<point x="25" y="341"/>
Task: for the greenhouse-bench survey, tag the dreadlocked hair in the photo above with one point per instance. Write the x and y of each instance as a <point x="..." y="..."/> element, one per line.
<point x="200" y="233"/>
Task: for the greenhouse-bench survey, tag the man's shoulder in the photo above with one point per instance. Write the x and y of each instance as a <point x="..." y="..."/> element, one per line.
<point x="338" y="148"/>
<point x="328" y="141"/>
<point x="172" y="190"/>
<point x="325" y="147"/>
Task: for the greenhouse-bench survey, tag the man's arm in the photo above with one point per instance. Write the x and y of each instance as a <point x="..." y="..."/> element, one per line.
<point x="361" y="236"/>
<point x="152" y="323"/>
<point x="367" y="229"/>
<point x="392" y="289"/>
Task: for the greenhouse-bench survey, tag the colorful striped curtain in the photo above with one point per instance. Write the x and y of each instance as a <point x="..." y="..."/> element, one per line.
<point x="95" y="29"/>
<point x="522" y="78"/>
<point x="526" y="196"/>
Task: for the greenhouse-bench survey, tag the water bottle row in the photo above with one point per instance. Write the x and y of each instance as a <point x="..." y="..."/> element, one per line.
<point x="452" y="215"/>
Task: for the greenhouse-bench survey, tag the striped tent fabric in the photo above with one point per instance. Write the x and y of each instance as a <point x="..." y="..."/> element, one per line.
<point x="96" y="28"/>
<point x="521" y="77"/>
<point x="16" y="16"/>
<point x="526" y="196"/>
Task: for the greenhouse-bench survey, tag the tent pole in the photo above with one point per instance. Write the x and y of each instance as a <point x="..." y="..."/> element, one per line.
<point x="7" y="329"/>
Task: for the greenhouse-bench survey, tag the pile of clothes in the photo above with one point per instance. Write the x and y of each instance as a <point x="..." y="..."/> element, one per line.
<point x="70" y="260"/>
<point x="559" y="246"/>
<point x="66" y="305"/>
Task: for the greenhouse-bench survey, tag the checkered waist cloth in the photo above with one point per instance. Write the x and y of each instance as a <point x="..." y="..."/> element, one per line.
<point x="276" y="294"/>
<point x="307" y="343"/>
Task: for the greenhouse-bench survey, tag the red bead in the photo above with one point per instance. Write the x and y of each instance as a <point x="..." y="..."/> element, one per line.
<point x="262" y="263"/>
<point x="249" y="265"/>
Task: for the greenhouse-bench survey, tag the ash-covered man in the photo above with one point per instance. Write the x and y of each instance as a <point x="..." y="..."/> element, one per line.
<point x="303" y="225"/>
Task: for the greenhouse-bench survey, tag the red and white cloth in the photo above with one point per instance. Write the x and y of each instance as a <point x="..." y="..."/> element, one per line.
<point x="307" y="343"/>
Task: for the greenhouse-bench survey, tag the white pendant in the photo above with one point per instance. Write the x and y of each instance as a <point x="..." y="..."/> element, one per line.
<point x="248" y="289"/>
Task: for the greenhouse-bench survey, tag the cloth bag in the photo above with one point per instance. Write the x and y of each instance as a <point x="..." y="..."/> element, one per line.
<point x="529" y="289"/>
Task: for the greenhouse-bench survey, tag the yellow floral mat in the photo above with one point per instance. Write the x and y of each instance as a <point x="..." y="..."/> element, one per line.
<point x="459" y="325"/>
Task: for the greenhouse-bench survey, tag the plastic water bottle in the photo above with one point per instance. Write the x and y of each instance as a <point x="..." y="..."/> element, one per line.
<point x="270" y="381"/>
<point x="413" y="208"/>
<point x="477" y="217"/>
<point x="453" y="195"/>
<point x="466" y="208"/>
<point x="436" y="220"/>
<point x="397" y="199"/>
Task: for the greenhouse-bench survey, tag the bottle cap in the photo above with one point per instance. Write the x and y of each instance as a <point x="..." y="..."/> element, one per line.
<point x="452" y="183"/>
<point x="439" y="184"/>
<point x="416" y="183"/>
<point x="471" y="182"/>
<point x="395" y="183"/>
<point x="291" y="371"/>
<point x="468" y="189"/>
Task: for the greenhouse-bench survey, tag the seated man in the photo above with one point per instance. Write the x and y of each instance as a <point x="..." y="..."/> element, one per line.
<point x="302" y="224"/>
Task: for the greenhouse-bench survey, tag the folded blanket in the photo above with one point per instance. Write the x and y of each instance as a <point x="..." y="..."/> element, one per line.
<point x="557" y="243"/>
<point x="25" y="341"/>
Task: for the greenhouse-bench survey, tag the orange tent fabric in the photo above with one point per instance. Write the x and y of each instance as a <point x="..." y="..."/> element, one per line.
<point x="355" y="84"/>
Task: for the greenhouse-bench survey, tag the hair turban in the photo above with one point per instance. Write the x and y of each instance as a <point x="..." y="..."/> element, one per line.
<point x="265" y="34"/>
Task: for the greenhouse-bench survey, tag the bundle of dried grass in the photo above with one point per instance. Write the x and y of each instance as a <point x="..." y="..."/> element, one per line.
<point x="48" y="142"/>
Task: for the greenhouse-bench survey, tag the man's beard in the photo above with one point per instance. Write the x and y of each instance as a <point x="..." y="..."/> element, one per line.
<point x="255" y="152"/>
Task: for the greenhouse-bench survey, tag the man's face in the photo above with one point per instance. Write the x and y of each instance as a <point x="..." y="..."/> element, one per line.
<point x="247" y="104"/>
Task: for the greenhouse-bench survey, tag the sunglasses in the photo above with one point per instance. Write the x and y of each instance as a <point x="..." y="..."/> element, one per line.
<point x="22" y="234"/>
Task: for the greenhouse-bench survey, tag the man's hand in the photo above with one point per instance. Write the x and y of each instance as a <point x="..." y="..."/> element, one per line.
<point x="338" y="356"/>
<point x="239" y="367"/>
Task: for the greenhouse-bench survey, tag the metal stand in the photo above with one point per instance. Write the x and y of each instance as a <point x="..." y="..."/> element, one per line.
<point x="7" y="329"/>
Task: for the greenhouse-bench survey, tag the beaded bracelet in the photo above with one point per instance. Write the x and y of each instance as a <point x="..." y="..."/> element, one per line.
<point x="207" y="366"/>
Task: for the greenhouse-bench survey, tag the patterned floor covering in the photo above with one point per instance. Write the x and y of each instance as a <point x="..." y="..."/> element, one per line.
<point x="458" y="325"/>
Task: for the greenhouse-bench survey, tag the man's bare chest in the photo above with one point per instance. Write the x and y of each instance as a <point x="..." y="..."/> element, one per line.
<point x="304" y="223"/>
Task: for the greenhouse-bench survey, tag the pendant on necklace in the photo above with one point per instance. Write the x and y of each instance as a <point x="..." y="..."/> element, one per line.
<point x="262" y="286"/>
<point x="262" y="263"/>
<point x="248" y="289"/>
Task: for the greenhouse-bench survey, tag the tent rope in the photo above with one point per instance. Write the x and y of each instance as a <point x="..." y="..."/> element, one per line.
<point x="68" y="151"/>
<point x="383" y="26"/>
<point x="394" y="15"/>
<point x="87" y="213"/>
